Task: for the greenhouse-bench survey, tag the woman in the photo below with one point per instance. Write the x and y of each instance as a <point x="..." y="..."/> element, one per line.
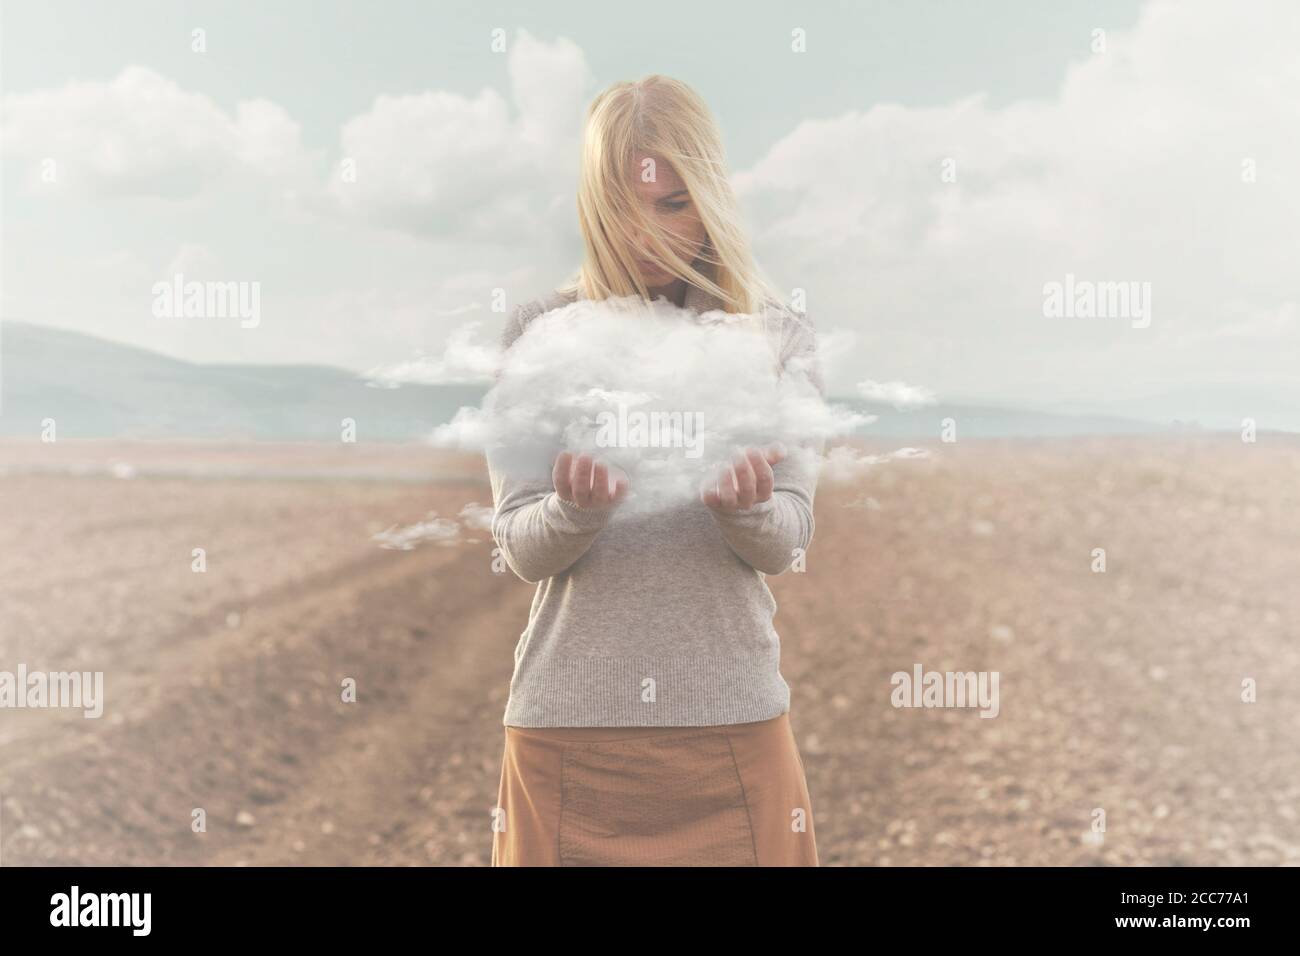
<point x="648" y="721"/>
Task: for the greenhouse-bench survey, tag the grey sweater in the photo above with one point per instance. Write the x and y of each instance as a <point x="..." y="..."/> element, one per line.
<point x="660" y="619"/>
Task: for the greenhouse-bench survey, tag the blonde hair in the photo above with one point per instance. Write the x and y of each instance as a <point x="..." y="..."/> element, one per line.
<point x="660" y="116"/>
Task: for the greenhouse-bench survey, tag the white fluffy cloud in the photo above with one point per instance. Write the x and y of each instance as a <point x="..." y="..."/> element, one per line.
<point x="468" y="357"/>
<point x="480" y="167"/>
<point x="899" y="394"/>
<point x="141" y="134"/>
<point x="845" y="464"/>
<point x="661" y="393"/>
<point x="1132" y="172"/>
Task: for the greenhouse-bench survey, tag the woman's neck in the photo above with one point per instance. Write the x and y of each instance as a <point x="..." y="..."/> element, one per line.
<point x="674" y="292"/>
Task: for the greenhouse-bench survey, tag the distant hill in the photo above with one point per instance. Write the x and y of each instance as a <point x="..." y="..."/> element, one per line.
<point x="989" y="421"/>
<point x="1212" y="405"/>
<point x="94" y="388"/>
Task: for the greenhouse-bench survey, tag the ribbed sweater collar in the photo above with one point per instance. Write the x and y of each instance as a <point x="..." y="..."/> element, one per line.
<point x="701" y="301"/>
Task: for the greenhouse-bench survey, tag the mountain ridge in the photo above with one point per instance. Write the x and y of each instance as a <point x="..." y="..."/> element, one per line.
<point x="97" y="388"/>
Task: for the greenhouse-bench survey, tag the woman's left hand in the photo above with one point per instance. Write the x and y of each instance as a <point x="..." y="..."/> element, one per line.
<point x="743" y="482"/>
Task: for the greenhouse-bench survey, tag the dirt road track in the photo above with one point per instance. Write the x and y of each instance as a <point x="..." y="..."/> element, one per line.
<point x="1120" y="691"/>
<point x="243" y="716"/>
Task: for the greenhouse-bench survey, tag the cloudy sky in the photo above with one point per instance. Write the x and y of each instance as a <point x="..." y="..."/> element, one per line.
<point x="922" y="170"/>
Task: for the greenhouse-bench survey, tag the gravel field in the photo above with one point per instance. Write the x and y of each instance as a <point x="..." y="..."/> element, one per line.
<point x="1119" y="692"/>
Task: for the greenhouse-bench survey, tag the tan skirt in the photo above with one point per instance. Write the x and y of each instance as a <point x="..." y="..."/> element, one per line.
<point x="727" y="795"/>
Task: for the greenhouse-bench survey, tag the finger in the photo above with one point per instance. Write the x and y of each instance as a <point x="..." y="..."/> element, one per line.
<point x="621" y="486"/>
<point x="745" y="479"/>
<point x="560" y="476"/>
<point x="774" y="452"/>
<point x="581" y="478"/>
<point x="709" y="492"/>
<point x="726" y="488"/>
<point x="764" y="480"/>
<point x="600" y="484"/>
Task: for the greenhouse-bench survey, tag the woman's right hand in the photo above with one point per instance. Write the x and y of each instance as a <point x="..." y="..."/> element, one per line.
<point x="588" y="482"/>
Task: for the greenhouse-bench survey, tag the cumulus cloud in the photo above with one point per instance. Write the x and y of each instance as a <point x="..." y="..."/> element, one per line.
<point x="899" y="394"/>
<point x="141" y="134"/>
<point x="936" y="228"/>
<point x="466" y="358"/>
<point x="845" y="464"/>
<point x="443" y="532"/>
<point x="478" y="167"/>
<point x="658" y="391"/>
<point x="476" y="516"/>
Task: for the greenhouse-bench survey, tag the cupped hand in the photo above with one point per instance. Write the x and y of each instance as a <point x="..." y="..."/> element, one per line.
<point x="587" y="481"/>
<point x="744" y="481"/>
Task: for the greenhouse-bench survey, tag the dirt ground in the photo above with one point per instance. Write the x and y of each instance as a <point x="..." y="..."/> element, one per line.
<point x="1119" y="691"/>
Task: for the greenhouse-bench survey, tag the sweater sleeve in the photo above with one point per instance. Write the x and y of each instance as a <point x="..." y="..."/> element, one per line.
<point x="766" y="535"/>
<point x="539" y="533"/>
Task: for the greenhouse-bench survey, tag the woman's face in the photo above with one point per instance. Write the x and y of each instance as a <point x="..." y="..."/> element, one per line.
<point x="666" y="202"/>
